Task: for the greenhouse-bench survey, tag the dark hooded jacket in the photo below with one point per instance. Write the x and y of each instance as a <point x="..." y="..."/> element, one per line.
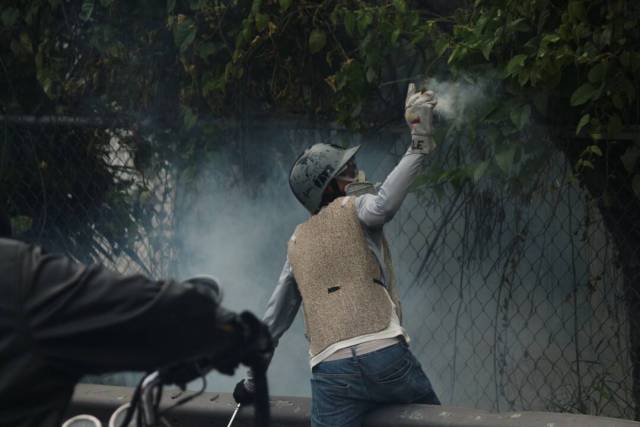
<point x="60" y="320"/>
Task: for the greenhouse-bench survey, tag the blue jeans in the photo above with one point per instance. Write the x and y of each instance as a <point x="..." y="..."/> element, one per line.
<point x="344" y="390"/>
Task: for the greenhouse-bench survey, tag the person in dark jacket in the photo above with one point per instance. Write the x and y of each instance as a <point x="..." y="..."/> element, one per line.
<point x="60" y="320"/>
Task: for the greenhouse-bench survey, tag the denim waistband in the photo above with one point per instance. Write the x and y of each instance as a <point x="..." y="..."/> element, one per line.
<point x="364" y="348"/>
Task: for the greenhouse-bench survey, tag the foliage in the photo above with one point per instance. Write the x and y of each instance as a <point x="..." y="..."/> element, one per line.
<point x="572" y="64"/>
<point x="64" y="192"/>
<point x="169" y="69"/>
<point x="315" y="57"/>
<point x="163" y="70"/>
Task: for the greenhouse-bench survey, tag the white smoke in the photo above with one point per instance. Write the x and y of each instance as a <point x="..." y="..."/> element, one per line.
<point x="236" y="229"/>
<point x="241" y="238"/>
<point x="455" y="97"/>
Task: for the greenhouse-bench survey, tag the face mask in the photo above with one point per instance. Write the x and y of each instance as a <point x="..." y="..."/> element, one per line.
<point x="360" y="188"/>
<point x="360" y="177"/>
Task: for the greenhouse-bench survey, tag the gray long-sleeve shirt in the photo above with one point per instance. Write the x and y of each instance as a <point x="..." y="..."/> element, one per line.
<point x="374" y="210"/>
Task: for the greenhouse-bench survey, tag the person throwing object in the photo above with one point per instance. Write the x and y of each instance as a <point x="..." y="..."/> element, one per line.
<point x="339" y="268"/>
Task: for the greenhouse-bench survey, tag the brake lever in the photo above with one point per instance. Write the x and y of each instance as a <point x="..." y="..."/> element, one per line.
<point x="149" y="393"/>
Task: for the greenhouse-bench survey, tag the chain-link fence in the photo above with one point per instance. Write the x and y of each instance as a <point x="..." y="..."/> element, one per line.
<point x="514" y="302"/>
<point x="76" y="189"/>
<point x="519" y="301"/>
<point x="73" y="187"/>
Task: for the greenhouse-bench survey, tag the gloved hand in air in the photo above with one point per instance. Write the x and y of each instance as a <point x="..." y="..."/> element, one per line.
<point x="418" y="112"/>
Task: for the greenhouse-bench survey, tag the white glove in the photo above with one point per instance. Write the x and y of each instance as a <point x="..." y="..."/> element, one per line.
<point x="418" y="112"/>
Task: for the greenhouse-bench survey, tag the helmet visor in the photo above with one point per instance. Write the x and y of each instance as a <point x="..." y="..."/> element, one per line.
<point x="349" y="170"/>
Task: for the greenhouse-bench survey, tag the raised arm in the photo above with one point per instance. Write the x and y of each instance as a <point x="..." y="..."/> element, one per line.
<point x="374" y="210"/>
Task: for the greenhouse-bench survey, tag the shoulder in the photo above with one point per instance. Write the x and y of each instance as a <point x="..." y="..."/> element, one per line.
<point x="341" y="202"/>
<point x="11" y="249"/>
<point x="14" y="245"/>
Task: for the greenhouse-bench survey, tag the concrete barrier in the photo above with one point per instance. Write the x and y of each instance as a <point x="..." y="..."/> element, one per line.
<point x="215" y="409"/>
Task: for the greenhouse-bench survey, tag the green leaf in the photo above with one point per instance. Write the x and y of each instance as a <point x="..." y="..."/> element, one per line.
<point x="441" y="45"/>
<point x="86" y="10"/>
<point x="255" y="6"/>
<point x="349" y="22"/>
<point x="195" y="4"/>
<point x="171" y="6"/>
<point x="615" y="125"/>
<point x="515" y="64"/>
<point x="371" y="75"/>
<point x="577" y="11"/>
<point x="521" y="117"/>
<point x="25" y="42"/>
<point x="583" y="164"/>
<point x="480" y="24"/>
<point x="479" y="170"/>
<point x="285" y="4"/>
<point x="594" y="149"/>
<point x="523" y="77"/>
<point x="516" y="24"/>
<point x="356" y="110"/>
<point x="185" y="33"/>
<point x="21" y="224"/>
<point x="504" y="159"/>
<point x="10" y="16"/>
<point x="617" y="101"/>
<point x="630" y="158"/>
<point x="395" y="35"/>
<point x="213" y="85"/>
<point x="366" y="18"/>
<point x="261" y="21"/>
<point x="549" y="39"/>
<point x="493" y="135"/>
<point x="514" y="115"/>
<point x="486" y="49"/>
<point x="541" y="102"/>
<point x="189" y="117"/>
<point x="400" y="5"/>
<point x="206" y="49"/>
<point x="457" y="51"/>
<point x="317" y="40"/>
<point x="584" y="120"/>
<point x="597" y="73"/>
<point x="583" y="94"/>
<point x="525" y="116"/>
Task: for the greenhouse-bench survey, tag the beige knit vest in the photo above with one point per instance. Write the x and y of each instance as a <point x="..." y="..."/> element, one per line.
<point x="336" y="274"/>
